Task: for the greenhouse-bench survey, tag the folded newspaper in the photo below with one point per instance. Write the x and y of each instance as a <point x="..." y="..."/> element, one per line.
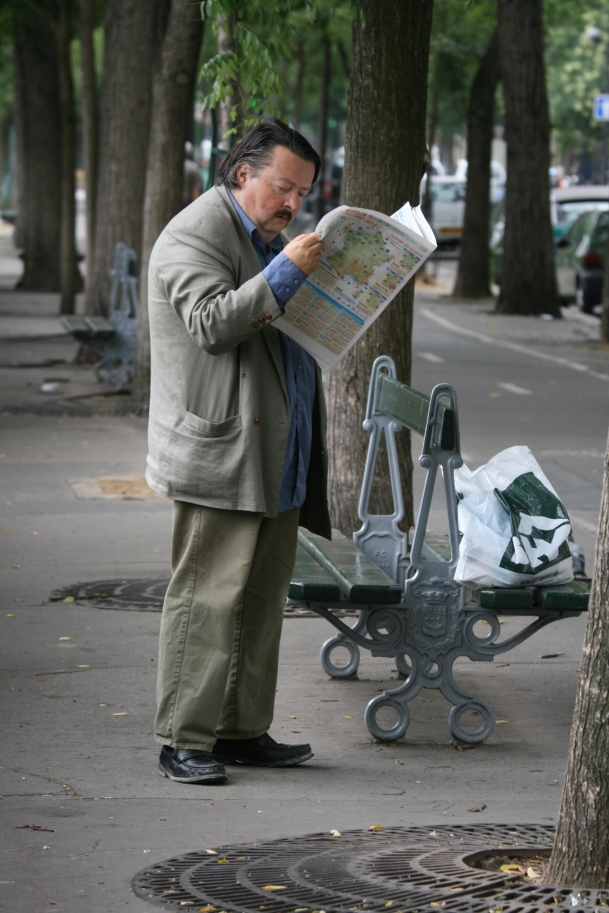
<point x="367" y="259"/>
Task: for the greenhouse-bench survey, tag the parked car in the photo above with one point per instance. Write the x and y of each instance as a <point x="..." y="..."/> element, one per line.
<point x="566" y="205"/>
<point x="447" y="199"/>
<point x="498" y="178"/>
<point x="580" y="260"/>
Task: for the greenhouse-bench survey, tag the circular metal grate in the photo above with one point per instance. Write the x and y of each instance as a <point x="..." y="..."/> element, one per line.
<point x="393" y="870"/>
<point x="145" y="594"/>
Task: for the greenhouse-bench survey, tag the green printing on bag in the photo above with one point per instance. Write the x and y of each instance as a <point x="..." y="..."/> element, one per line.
<point x="535" y="515"/>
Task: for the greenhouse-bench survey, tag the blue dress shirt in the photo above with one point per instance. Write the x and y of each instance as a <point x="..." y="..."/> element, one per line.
<point x="285" y="278"/>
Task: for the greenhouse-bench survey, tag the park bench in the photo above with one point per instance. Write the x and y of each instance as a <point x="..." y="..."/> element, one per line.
<point x="115" y="338"/>
<point x="408" y="604"/>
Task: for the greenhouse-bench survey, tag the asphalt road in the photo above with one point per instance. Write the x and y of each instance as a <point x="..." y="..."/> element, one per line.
<point x="77" y="683"/>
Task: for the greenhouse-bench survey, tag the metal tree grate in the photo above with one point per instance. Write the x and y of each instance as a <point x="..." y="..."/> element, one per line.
<point x="145" y="594"/>
<point x="394" y="870"/>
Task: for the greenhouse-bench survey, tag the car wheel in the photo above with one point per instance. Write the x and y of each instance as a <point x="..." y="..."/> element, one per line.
<point x="588" y="302"/>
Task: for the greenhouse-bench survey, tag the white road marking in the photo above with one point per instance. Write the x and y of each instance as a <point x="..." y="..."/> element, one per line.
<point x="514" y="388"/>
<point x="589" y="527"/>
<point x="513" y="346"/>
<point x="434" y="359"/>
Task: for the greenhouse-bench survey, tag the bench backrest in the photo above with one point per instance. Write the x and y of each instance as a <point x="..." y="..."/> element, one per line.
<point x="391" y="406"/>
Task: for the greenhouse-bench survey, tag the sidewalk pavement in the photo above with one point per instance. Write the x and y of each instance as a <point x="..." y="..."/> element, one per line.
<point x="83" y="805"/>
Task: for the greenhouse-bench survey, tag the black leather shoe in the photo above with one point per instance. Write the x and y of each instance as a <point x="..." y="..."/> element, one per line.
<point x="263" y="751"/>
<point x="188" y="765"/>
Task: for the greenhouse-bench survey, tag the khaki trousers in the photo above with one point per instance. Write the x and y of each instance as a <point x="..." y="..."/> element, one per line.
<point x="221" y="624"/>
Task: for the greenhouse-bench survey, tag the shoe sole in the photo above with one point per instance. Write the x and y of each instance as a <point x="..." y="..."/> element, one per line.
<point x="225" y="759"/>
<point x="207" y="778"/>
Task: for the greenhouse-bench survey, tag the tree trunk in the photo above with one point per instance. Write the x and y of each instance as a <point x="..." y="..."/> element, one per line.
<point x="131" y="44"/>
<point x="68" y="268"/>
<point x="172" y="105"/>
<point x="301" y="57"/>
<point x="473" y="278"/>
<point x="89" y="116"/>
<point x="580" y="857"/>
<point x="528" y="283"/>
<point x="384" y="160"/>
<point x="38" y="150"/>
<point x="322" y="124"/>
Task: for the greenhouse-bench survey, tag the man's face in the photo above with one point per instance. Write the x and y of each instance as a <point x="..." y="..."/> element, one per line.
<point x="273" y="197"/>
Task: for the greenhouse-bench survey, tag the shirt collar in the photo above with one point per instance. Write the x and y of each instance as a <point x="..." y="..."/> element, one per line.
<point x="275" y="245"/>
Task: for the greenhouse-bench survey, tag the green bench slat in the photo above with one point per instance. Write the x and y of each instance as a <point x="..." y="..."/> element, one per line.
<point x="571" y="596"/>
<point x="359" y="579"/>
<point x="410" y="407"/>
<point x="88" y="327"/>
<point x="310" y="581"/>
<point x="503" y="598"/>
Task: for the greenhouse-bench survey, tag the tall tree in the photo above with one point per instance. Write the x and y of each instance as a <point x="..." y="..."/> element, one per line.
<point x="580" y="857"/>
<point x="69" y="276"/>
<point x="38" y="150"/>
<point x="172" y="105"/>
<point x="89" y="114"/>
<point x="384" y="161"/>
<point x="133" y="31"/>
<point x="528" y="275"/>
<point x="473" y="279"/>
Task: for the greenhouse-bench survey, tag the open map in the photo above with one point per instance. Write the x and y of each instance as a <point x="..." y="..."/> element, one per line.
<point x="367" y="258"/>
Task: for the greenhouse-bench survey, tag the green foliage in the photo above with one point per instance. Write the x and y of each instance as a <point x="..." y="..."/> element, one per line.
<point x="273" y="39"/>
<point x="248" y="71"/>
<point x="577" y="69"/>
<point x="461" y="31"/>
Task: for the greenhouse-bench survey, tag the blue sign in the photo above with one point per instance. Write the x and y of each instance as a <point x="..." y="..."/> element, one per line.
<point x="601" y="107"/>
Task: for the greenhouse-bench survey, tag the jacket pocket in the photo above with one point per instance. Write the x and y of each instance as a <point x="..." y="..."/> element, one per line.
<point x="214" y="429"/>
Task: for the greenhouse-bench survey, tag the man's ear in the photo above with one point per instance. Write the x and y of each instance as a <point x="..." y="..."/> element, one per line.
<point x="243" y="173"/>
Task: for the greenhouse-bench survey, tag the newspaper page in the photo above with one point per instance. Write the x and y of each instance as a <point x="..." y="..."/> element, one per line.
<point x="367" y="259"/>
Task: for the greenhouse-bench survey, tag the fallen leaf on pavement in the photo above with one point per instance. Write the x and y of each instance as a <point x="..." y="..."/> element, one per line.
<point x="211" y="852"/>
<point x="15" y="566"/>
<point x="335" y="833"/>
<point x="123" y="713"/>
<point x="533" y="873"/>
<point x="478" y="808"/>
<point x="65" y="638"/>
<point x="10" y="615"/>
<point x="348" y="717"/>
<point x="550" y="655"/>
<point x="208" y="909"/>
<point x="501" y="722"/>
<point x="68" y="599"/>
<point x="292" y="718"/>
<point x="274" y="887"/>
<point x="223" y="861"/>
<point x="376" y="827"/>
<point x="434" y="834"/>
<point x="512" y="868"/>
<point x="438" y="903"/>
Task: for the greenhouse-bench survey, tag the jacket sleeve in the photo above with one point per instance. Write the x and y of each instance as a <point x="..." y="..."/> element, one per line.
<point x="197" y="275"/>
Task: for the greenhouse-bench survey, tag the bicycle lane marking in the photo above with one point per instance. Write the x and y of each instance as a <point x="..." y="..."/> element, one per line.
<point x="513" y="346"/>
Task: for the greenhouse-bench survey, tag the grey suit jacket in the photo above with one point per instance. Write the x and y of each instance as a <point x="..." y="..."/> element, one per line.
<point x="219" y="406"/>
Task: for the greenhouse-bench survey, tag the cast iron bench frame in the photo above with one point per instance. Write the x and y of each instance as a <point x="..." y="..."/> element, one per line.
<point x="410" y="608"/>
<point x="115" y="338"/>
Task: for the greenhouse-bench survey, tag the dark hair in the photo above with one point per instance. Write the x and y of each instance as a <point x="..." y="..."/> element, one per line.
<point x="256" y="150"/>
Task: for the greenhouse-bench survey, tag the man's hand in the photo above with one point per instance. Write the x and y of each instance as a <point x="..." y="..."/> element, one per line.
<point x="305" y="252"/>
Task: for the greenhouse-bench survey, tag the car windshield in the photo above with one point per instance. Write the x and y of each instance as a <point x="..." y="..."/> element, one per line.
<point x="447" y="193"/>
<point x="569" y="210"/>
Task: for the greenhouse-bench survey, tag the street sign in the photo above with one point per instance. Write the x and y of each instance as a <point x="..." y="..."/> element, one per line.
<point x="601" y="107"/>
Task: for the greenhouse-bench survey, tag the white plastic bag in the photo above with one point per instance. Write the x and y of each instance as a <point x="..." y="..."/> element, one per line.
<point x="514" y="527"/>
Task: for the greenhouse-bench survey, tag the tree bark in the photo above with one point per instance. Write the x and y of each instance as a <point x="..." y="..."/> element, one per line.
<point x="89" y="115"/>
<point x="473" y="277"/>
<point x="68" y="269"/>
<point x="528" y="283"/>
<point x="580" y="857"/>
<point x="384" y="161"/>
<point x="133" y="29"/>
<point x="322" y="123"/>
<point x="172" y="105"/>
<point x="38" y="150"/>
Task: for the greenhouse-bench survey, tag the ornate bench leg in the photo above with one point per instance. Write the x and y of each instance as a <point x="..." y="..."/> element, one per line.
<point x="339" y="640"/>
<point x="398" y="700"/>
<point x="464" y="701"/>
<point x="343" y="640"/>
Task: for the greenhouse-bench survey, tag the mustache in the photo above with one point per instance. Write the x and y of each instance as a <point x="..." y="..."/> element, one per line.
<point x="287" y="213"/>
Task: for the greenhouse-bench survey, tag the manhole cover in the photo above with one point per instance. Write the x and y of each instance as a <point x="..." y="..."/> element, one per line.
<point x="145" y="594"/>
<point x="393" y="870"/>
